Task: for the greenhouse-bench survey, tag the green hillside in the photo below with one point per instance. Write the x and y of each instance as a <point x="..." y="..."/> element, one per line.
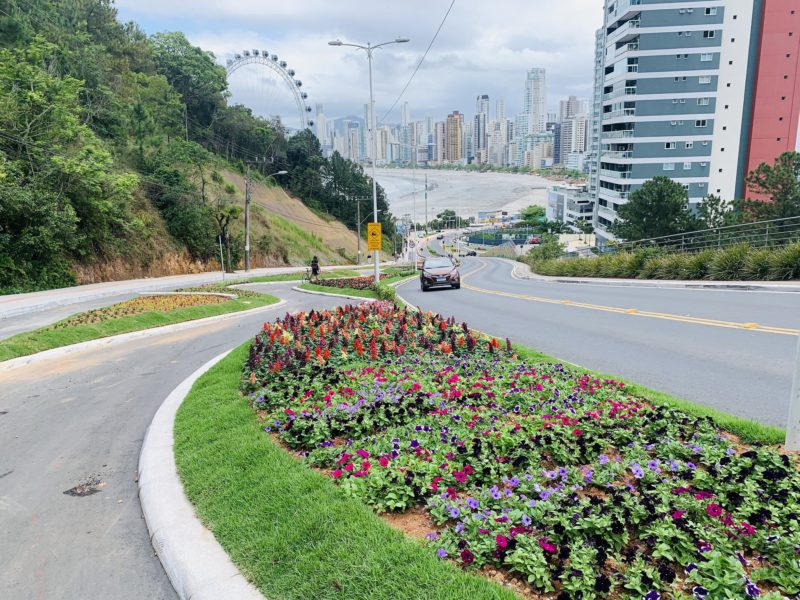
<point x="118" y="152"/>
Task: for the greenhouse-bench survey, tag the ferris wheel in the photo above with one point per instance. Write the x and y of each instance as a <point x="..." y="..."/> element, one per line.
<point x="277" y="95"/>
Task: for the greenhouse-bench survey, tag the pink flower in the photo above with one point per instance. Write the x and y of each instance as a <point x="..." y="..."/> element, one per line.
<point x="544" y="544"/>
<point x="384" y="461"/>
<point x="336" y="473"/>
<point x="747" y="529"/>
<point x="577" y="432"/>
<point x="460" y="476"/>
<point x="362" y="453"/>
<point x="502" y="541"/>
<point x="348" y="467"/>
<point x="366" y="465"/>
<point x="468" y="469"/>
<point x="451" y="493"/>
<point x="714" y="510"/>
<point x="678" y="514"/>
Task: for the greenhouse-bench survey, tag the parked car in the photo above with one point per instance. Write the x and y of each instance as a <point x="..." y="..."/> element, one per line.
<point x="440" y="236"/>
<point x="535" y="239"/>
<point x="439" y="272"/>
<point x="472" y="253"/>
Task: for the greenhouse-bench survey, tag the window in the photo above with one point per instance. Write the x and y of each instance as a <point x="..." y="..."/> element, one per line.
<point x="670" y="145"/>
<point x="673" y="123"/>
<point x="704" y="79"/>
<point x="705" y="143"/>
<point x="711" y="11"/>
<point x="674" y="100"/>
<point x="708" y="34"/>
<point x="703" y="164"/>
<point x="701" y="123"/>
<point x="687" y="166"/>
<point x="689" y="145"/>
<point x="683" y="100"/>
<point x="706" y="57"/>
<point x="703" y="101"/>
<point x="669" y="166"/>
<point x="680" y="122"/>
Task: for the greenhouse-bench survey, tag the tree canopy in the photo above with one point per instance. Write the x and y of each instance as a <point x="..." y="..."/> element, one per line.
<point x="660" y="207"/>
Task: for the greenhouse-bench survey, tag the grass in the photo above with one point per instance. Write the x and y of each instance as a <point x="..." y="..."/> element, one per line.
<point x="289" y="529"/>
<point x="401" y="275"/>
<point x="298" y="275"/>
<point x="47" y="338"/>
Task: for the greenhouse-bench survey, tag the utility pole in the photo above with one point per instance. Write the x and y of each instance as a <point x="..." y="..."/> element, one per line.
<point x="247" y="218"/>
<point x="426" y="204"/>
<point x="793" y="422"/>
<point x="358" y="220"/>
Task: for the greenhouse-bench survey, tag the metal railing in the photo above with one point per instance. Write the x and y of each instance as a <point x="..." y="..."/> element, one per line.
<point x="761" y="234"/>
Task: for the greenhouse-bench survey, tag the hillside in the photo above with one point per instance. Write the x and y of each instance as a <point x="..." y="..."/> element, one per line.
<point x="120" y="157"/>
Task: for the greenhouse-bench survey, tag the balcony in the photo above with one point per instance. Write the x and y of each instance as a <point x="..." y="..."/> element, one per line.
<point x="621" y="133"/>
<point x="622" y="112"/>
<point x="616" y="154"/>
<point x="626" y="8"/>
<point x="627" y="91"/>
<point x="615" y="174"/>
<point x="631" y="47"/>
<point x="629" y="28"/>
<point x="617" y="195"/>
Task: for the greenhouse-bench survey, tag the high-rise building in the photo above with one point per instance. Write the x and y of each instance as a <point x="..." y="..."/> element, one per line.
<point x="439" y="142"/>
<point x="500" y="109"/>
<point x="405" y="114"/>
<point x="698" y="92"/>
<point x="571" y="107"/>
<point x="593" y="158"/>
<point x="479" y="129"/>
<point x="573" y="137"/>
<point x="454" y="146"/>
<point x="535" y="100"/>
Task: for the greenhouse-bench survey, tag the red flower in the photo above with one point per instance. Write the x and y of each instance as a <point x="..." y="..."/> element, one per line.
<point x="468" y="469"/>
<point x="577" y="432"/>
<point x="366" y="465"/>
<point x="384" y="461"/>
<point x="502" y="541"/>
<point x="336" y="473"/>
<point x="467" y="557"/>
<point x="714" y="510"/>
<point x="544" y="544"/>
<point x="451" y="493"/>
<point x="348" y="467"/>
<point x="460" y="476"/>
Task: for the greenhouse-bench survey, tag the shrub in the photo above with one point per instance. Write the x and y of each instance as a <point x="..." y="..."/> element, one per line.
<point x="729" y="263"/>
<point x="785" y="262"/>
<point x="385" y="292"/>
<point x="672" y="266"/>
<point x="757" y="265"/>
<point x="354" y="283"/>
<point x="699" y="263"/>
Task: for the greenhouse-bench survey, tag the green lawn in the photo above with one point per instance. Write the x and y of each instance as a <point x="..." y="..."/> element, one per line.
<point x="46" y="338"/>
<point x="289" y="529"/>
<point x="298" y="275"/>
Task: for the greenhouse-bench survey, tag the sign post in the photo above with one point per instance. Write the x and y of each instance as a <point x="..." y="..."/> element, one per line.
<point x="793" y="422"/>
<point x="374" y="236"/>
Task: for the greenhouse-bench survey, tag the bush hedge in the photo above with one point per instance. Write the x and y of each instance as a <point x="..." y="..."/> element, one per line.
<point x="733" y="263"/>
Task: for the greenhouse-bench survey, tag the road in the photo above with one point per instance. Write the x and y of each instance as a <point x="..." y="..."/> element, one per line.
<point x="80" y="421"/>
<point x="682" y="349"/>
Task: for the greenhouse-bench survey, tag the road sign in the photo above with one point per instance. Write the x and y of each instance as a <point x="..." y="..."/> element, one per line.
<point x="374" y="236"/>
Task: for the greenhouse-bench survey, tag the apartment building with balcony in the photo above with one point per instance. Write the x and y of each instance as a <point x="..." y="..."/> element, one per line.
<point x="679" y="93"/>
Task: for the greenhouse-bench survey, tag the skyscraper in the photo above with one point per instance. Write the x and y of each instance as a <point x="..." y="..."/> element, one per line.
<point x="454" y="147"/>
<point x="571" y="107"/>
<point x="535" y="100"/>
<point x="700" y="94"/>
<point x="479" y="131"/>
<point x="500" y="109"/>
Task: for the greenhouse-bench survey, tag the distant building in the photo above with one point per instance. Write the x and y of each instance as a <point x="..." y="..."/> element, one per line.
<point x="454" y="146"/>
<point x="535" y="100"/>
<point x="569" y="204"/>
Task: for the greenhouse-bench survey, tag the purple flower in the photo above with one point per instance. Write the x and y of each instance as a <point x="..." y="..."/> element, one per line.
<point x="432" y="535"/>
<point x="652" y="595"/>
<point x="588" y="474"/>
<point x="653" y="466"/>
<point x="544" y="494"/>
<point x="699" y="592"/>
<point x="442" y="553"/>
<point x="690" y="567"/>
<point x="532" y="503"/>
<point x="691" y="466"/>
<point x="751" y="589"/>
<point x="602" y="459"/>
<point x="472" y="503"/>
<point x="637" y="470"/>
<point x="495" y="492"/>
<point x="414" y="444"/>
<point x="454" y="512"/>
<point x="526" y="520"/>
<point x="459" y="528"/>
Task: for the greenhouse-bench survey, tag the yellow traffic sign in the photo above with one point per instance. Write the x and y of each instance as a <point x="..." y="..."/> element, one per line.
<point x="374" y="236"/>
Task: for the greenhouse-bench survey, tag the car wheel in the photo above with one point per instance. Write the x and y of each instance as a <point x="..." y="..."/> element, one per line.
<point x="456" y="286"/>
<point x="425" y="288"/>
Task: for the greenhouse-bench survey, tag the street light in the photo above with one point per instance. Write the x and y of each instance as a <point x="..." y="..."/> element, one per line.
<point x="247" y="214"/>
<point x="369" y="48"/>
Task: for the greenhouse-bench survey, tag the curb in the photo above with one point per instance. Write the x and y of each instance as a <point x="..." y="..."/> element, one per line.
<point x="316" y="293"/>
<point x="652" y="283"/>
<point x="197" y="566"/>
<point x="30" y="359"/>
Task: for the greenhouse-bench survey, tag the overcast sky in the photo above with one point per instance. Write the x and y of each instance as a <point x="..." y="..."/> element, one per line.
<point x="483" y="48"/>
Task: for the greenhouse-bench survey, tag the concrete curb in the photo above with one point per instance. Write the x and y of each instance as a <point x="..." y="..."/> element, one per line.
<point x="522" y="271"/>
<point x="316" y="293"/>
<point x="197" y="566"/>
<point x="30" y="359"/>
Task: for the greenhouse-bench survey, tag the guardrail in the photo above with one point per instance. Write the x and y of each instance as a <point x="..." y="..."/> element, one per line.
<point x="761" y="234"/>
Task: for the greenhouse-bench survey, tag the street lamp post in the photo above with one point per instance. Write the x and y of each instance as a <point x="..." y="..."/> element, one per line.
<point x="247" y="214"/>
<point x="369" y="48"/>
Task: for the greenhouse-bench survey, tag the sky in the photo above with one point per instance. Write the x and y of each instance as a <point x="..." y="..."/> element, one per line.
<point x="483" y="48"/>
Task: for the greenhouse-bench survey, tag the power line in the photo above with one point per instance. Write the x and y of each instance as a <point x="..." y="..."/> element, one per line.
<point x="421" y="60"/>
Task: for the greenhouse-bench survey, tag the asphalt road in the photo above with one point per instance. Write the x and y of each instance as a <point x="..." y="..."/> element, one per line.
<point x="80" y="421"/>
<point x="746" y="372"/>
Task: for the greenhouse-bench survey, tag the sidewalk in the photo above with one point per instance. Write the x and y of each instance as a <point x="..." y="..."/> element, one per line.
<point x="19" y="304"/>
<point x="523" y="271"/>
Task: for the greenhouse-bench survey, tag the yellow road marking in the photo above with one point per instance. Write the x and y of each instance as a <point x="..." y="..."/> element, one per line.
<point x="629" y="311"/>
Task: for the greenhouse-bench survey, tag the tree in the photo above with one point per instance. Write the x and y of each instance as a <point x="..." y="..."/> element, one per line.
<point x="715" y="212"/>
<point x="660" y="207"/>
<point x="533" y="215"/>
<point x="781" y="182"/>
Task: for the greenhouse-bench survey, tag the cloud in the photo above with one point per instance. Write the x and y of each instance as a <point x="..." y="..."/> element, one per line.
<point x="484" y="48"/>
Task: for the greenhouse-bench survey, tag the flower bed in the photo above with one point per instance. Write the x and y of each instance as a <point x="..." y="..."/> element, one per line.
<point x="353" y="283"/>
<point x="143" y="304"/>
<point x="561" y="479"/>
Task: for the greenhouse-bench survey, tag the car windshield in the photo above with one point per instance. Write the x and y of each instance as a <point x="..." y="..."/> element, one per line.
<point x="438" y="263"/>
